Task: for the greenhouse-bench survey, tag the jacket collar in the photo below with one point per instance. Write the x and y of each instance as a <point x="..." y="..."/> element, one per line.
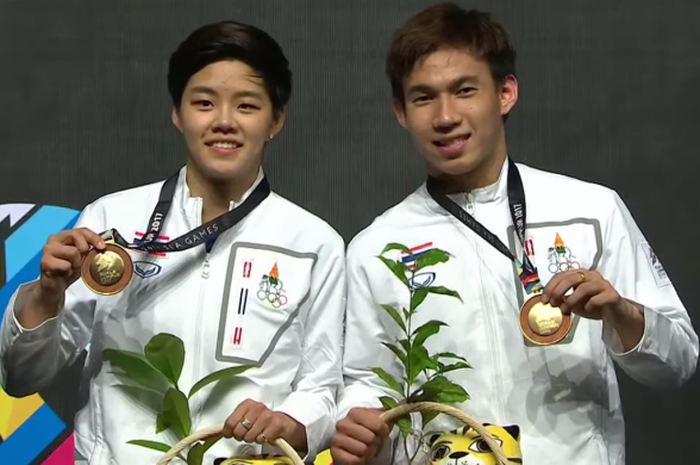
<point x="495" y="192"/>
<point x="191" y="207"/>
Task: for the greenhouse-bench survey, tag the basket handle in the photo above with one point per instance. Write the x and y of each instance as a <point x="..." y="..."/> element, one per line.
<point x="454" y="412"/>
<point x="215" y="431"/>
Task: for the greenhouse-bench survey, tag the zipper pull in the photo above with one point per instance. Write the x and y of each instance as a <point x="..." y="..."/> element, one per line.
<point x="470" y="203"/>
<point x="205" y="267"/>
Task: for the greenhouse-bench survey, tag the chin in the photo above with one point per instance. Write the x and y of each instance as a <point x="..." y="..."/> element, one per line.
<point x="457" y="166"/>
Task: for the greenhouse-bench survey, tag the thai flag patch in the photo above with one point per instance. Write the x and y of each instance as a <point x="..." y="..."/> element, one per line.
<point x="416" y="252"/>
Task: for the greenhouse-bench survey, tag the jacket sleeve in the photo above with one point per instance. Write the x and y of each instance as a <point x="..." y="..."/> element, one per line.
<point x="29" y="359"/>
<point x="667" y="354"/>
<point x="316" y="384"/>
<point x="366" y="328"/>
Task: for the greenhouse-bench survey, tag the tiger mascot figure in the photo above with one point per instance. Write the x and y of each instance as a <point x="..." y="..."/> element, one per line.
<point x="256" y="460"/>
<point x="465" y="446"/>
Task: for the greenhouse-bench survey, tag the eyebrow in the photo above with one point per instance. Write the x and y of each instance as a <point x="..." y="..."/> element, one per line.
<point x="209" y="91"/>
<point x="453" y="85"/>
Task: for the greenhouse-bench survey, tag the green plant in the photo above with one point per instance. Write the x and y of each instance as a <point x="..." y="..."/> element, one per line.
<point x="411" y="351"/>
<point x="157" y="372"/>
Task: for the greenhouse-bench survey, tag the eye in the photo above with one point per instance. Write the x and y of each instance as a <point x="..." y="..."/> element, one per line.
<point x="439" y="452"/>
<point x="248" y="107"/>
<point x="480" y="445"/>
<point x="203" y="103"/>
<point x="421" y="99"/>
<point x="466" y="90"/>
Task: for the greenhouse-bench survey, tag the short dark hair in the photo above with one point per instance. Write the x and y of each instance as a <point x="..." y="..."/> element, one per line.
<point x="231" y="40"/>
<point x="445" y="26"/>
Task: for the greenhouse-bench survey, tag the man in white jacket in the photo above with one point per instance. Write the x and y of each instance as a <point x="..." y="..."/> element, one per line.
<point x="513" y="233"/>
<point x="241" y="275"/>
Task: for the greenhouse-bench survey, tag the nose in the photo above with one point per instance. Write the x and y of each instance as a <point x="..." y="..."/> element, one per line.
<point x="225" y="121"/>
<point x="457" y="455"/>
<point x="447" y="116"/>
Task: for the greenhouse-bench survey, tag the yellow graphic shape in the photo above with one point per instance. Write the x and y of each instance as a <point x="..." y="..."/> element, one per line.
<point x="324" y="458"/>
<point x="14" y="412"/>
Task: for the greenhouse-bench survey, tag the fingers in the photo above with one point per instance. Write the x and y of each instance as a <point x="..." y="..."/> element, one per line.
<point x="559" y="285"/>
<point x="260" y="418"/>
<point x="233" y="421"/>
<point x="579" y="299"/>
<point x="370" y="419"/>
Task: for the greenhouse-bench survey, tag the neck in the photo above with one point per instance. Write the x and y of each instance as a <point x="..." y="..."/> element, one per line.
<point x="217" y="194"/>
<point x="485" y="174"/>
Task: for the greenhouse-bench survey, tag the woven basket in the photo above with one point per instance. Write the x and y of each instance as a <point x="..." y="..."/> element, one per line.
<point x="454" y="413"/>
<point x="388" y="416"/>
<point x="215" y="432"/>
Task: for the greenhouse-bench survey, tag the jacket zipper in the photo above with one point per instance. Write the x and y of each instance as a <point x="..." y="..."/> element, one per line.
<point x="205" y="273"/>
<point x="493" y="340"/>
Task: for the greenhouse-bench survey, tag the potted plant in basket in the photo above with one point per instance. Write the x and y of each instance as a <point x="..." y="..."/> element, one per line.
<point x="425" y="387"/>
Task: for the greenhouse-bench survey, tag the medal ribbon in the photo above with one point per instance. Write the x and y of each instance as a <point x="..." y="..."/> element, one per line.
<point x="516" y="201"/>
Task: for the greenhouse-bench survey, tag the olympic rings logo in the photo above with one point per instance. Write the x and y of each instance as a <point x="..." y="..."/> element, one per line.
<point x="564" y="266"/>
<point x="272" y="293"/>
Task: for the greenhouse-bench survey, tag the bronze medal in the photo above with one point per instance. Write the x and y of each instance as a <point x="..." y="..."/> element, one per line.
<point x="543" y="324"/>
<point x="107" y="272"/>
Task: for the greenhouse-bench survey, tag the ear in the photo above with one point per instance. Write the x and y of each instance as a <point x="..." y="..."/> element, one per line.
<point x="513" y="430"/>
<point x="508" y="94"/>
<point x="175" y="117"/>
<point x="433" y="438"/>
<point x="278" y="122"/>
<point x="400" y="111"/>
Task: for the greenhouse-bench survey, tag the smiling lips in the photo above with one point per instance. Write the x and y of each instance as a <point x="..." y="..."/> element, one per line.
<point x="452" y="146"/>
<point x="225" y="147"/>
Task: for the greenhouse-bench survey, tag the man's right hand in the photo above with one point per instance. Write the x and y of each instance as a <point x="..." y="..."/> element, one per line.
<point x="359" y="437"/>
<point x="60" y="267"/>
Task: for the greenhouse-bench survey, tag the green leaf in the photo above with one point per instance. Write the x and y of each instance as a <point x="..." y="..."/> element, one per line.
<point x="417" y="298"/>
<point x="406" y="315"/>
<point x="154" y="445"/>
<point x="176" y="412"/>
<point x="405" y="426"/>
<point x="137" y="368"/>
<point x="419" y="361"/>
<point x="388" y="379"/>
<point x="210" y="442"/>
<point x="441" y="390"/>
<point x="443" y="291"/>
<point x="450" y="355"/>
<point x="398" y="268"/>
<point x="218" y="376"/>
<point x="405" y="344"/>
<point x="388" y="402"/>
<point x="453" y="367"/>
<point x="428" y="416"/>
<point x="426" y="330"/>
<point x="195" y="455"/>
<point x="397" y="351"/>
<point x="167" y="353"/>
<point x="395" y="315"/>
<point x="161" y="423"/>
<point x="396" y="246"/>
<point x="430" y="258"/>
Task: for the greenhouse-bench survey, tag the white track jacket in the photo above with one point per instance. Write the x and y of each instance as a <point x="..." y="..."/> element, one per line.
<point x="564" y="397"/>
<point x="213" y="303"/>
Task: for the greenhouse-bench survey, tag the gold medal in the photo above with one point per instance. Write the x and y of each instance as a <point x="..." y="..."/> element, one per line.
<point x="107" y="272"/>
<point x="543" y="324"/>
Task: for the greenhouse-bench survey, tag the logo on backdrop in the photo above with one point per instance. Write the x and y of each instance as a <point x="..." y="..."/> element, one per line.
<point x="29" y="429"/>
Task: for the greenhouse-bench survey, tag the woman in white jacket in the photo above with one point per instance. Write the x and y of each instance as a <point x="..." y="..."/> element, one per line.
<point x="207" y="244"/>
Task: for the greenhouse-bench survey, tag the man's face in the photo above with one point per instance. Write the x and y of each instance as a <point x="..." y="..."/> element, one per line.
<point x="454" y="111"/>
<point x="226" y="117"/>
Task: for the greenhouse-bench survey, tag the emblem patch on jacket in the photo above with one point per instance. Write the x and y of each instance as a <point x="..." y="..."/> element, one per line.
<point x="560" y="257"/>
<point x="264" y="292"/>
<point x="657" y="269"/>
<point x="271" y="289"/>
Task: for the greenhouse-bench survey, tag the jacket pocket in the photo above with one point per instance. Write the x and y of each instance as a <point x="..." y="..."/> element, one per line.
<point x="266" y="287"/>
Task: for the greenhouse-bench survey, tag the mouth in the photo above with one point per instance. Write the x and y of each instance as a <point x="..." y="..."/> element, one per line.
<point x="452" y="146"/>
<point x="225" y="147"/>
